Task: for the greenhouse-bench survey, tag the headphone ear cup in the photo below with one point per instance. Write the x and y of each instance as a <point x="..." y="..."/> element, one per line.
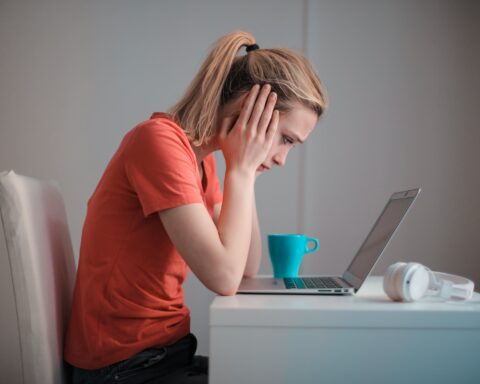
<point x="415" y="282"/>
<point x="390" y="281"/>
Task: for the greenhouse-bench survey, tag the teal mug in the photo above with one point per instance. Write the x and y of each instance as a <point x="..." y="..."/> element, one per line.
<point x="286" y="252"/>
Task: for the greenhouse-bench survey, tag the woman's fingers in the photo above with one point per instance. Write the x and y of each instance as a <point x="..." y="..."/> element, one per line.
<point x="267" y="112"/>
<point x="257" y="119"/>
<point x="247" y="108"/>
<point x="272" y="127"/>
<point x="259" y="108"/>
<point x="247" y="144"/>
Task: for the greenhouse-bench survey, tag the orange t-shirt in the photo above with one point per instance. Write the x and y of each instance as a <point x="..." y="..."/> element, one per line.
<point x="128" y="292"/>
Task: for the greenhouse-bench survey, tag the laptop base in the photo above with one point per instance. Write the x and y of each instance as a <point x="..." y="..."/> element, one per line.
<point x="272" y="286"/>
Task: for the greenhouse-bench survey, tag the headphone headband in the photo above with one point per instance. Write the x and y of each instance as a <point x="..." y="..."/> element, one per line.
<point x="454" y="286"/>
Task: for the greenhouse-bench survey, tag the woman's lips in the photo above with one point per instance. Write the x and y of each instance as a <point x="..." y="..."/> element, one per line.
<point x="262" y="168"/>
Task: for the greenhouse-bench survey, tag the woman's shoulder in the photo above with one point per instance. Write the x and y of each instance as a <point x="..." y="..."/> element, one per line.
<point x="160" y="121"/>
<point x="160" y="132"/>
<point x="163" y="116"/>
<point x="160" y="127"/>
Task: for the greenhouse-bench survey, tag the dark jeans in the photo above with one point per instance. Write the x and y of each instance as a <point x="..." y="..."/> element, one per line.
<point x="172" y="364"/>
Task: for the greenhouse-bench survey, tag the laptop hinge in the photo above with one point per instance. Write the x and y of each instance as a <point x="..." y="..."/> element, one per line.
<point x="354" y="281"/>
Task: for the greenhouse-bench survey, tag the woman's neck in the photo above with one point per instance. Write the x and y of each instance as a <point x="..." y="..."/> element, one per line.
<point x="203" y="151"/>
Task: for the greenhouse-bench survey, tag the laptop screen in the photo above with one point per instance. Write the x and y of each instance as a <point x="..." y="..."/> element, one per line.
<point x="379" y="236"/>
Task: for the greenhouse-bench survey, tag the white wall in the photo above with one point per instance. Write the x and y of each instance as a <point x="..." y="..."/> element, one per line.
<point x="402" y="78"/>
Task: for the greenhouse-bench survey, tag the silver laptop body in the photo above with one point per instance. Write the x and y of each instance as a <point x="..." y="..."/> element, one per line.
<point x="362" y="264"/>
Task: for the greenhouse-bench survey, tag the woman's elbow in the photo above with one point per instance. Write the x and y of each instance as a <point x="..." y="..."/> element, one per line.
<point x="226" y="292"/>
<point x="225" y="289"/>
<point x="226" y="285"/>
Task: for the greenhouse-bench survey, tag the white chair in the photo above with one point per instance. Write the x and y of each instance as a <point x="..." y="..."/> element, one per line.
<point x="36" y="280"/>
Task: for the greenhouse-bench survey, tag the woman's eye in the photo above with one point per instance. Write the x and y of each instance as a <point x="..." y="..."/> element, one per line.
<point x="287" y="140"/>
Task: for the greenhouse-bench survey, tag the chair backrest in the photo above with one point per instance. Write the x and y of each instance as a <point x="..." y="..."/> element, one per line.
<point x="38" y="263"/>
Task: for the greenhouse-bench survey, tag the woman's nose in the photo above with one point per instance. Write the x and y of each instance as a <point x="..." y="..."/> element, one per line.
<point x="280" y="158"/>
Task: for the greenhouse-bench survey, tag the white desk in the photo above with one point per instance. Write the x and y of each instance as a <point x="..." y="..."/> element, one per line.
<point x="366" y="338"/>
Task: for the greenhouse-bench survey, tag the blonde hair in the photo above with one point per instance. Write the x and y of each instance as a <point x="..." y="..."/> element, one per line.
<point x="224" y="75"/>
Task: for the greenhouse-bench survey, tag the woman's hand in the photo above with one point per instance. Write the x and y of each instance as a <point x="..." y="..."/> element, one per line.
<point x="246" y="145"/>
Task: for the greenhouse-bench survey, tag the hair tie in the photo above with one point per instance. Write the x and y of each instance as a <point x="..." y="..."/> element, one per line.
<point x="252" y="47"/>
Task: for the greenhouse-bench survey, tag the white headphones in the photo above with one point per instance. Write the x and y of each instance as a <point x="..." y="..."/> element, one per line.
<point x="413" y="281"/>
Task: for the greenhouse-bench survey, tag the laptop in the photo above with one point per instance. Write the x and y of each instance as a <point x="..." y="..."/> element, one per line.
<point x="362" y="264"/>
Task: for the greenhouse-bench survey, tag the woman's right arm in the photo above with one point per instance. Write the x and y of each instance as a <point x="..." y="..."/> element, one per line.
<point x="217" y="254"/>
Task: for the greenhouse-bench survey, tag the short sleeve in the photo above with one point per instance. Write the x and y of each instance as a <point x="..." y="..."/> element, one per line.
<point x="161" y="167"/>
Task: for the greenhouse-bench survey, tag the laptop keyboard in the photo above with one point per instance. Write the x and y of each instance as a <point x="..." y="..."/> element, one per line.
<point x="310" y="282"/>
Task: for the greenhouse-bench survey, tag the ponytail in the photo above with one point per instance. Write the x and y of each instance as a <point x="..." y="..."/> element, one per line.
<point x="197" y="110"/>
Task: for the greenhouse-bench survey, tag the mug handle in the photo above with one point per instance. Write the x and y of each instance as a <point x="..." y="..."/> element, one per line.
<point x="309" y="240"/>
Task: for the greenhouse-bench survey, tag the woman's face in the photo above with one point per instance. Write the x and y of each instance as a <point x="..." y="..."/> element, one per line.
<point x="294" y="126"/>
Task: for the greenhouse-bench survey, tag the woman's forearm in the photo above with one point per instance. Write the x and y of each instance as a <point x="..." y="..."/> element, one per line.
<point x="255" y="251"/>
<point x="235" y="221"/>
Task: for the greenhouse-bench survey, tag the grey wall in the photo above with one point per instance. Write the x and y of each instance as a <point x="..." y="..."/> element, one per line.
<point x="402" y="77"/>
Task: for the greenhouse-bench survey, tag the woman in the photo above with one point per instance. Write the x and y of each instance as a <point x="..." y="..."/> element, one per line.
<point x="158" y="210"/>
